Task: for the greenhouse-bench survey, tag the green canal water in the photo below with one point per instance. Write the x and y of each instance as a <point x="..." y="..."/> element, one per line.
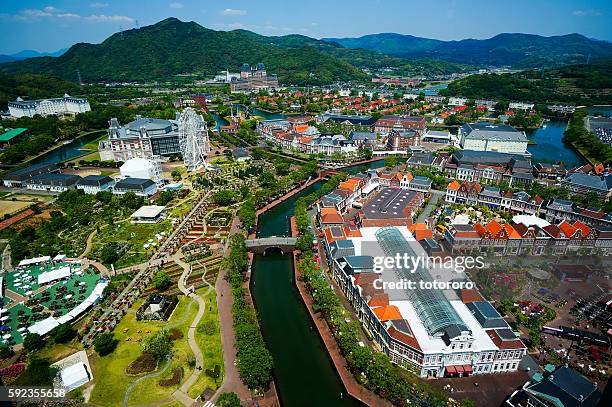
<point x="303" y="372"/>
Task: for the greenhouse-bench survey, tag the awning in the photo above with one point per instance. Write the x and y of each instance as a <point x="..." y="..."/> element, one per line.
<point x="468" y="369"/>
<point x="451" y="370"/>
<point x="459" y="369"/>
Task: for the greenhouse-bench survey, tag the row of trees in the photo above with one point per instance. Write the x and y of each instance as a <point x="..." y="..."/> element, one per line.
<point x="585" y="141"/>
<point x="254" y="360"/>
<point x="372" y="369"/>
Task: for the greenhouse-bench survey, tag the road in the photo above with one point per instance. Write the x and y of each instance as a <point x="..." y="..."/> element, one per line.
<point x="429" y="208"/>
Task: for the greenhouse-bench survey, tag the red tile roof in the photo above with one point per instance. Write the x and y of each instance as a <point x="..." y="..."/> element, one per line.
<point x="567" y="229"/>
<point x="403" y="337"/>
<point x="387" y="313"/>
<point x="584" y="229"/>
<point x="470" y="295"/>
<point x="501" y="344"/>
<point x="454" y="185"/>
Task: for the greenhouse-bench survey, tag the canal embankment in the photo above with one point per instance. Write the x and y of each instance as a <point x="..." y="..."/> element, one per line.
<point x="348" y="380"/>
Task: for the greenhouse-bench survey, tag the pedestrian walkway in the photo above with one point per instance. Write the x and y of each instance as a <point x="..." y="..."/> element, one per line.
<point x="181" y="394"/>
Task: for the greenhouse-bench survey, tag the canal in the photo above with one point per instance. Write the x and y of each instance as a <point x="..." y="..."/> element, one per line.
<point x="303" y="371"/>
<point x="68" y="150"/>
<point x="549" y="145"/>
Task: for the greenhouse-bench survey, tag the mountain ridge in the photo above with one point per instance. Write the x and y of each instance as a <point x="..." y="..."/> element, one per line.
<point x="518" y="50"/>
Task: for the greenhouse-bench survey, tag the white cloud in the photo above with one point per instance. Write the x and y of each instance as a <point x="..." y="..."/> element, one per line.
<point x="587" y="13"/>
<point x="232" y="12"/>
<point x="98" y="5"/>
<point x="50" y="12"/>
<point x="176" y="5"/>
<point x="102" y="18"/>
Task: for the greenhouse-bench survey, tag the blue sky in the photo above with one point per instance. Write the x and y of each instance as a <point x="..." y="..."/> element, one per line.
<point x="51" y="25"/>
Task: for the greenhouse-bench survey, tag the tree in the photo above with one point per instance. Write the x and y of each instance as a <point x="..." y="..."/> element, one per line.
<point x="391" y="161"/>
<point x="38" y="373"/>
<point x="282" y="168"/>
<point x="224" y="197"/>
<point x="6" y="352"/>
<point x="161" y="281"/>
<point x="105" y="344"/>
<point x="164" y="198"/>
<point x="257" y="153"/>
<point x="255" y="366"/>
<point x="109" y="253"/>
<point x="228" y="400"/>
<point x="247" y="213"/>
<point x="176" y="174"/>
<point x="132" y="201"/>
<point x="33" y="342"/>
<point x="159" y="344"/>
<point x="63" y="333"/>
<point x="304" y="242"/>
<point x="365" y="153"/>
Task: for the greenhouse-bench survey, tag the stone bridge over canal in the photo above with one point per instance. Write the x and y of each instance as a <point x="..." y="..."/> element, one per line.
<point x="263" y="244"/>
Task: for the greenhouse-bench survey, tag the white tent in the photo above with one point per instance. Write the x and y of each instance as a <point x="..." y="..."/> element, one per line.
<point x="44" y="326"/>
<point x="56" y="274"/>
<point x="59" y="257"/>
<point x="35" y="260"/>
<point x="75" y="376"/>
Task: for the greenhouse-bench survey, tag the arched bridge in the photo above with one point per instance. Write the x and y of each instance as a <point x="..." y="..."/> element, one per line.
<point x="260" y="245"/>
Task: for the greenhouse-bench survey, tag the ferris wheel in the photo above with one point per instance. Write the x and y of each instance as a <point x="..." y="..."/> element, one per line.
<point x="193" y="139"/>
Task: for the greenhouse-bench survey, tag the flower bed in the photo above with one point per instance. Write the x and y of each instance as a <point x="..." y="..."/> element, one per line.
<point x="144" y="363"/>
<point x="173" y="380"/>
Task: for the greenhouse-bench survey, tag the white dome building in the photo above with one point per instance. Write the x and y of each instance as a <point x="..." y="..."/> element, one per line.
<point x="141" y="168"/>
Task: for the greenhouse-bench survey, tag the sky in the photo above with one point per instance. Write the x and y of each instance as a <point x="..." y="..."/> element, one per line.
<point x="52" y="25"/>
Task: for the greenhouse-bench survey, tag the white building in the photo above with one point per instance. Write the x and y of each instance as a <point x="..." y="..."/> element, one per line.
<point x="143" y="137"/>
<point x="500" y="138"/>
<point x="45" y="107"/>
<point x="520" y="106"/>
<point x="148" y="214"/>
<point x="457" y="101"/>
<point x="92" y="184"/>
<point x="435" y="332"/>
<point x="141" y="168"/>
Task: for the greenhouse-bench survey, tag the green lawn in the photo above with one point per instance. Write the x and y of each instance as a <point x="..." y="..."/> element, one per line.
<point x="91" y="157"/>
<point x="136" y="234"/>
<point x="111" y="382"/>
<point x="210" y="345"/>
<point x="93" y="144"/>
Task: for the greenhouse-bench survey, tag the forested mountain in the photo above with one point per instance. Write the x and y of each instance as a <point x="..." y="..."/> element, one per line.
<point x="574" y="84"/>
<point x="173" y="47"/>
<point x="32" y="86"/>
<point x="365" y="58"/>
<point x="508" y="49"/>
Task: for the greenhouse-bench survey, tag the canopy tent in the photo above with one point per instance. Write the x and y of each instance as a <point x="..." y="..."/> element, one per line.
<point x="35" y="260"/>
<point x="75" y="376"/>
<point x="44" y="326"/>
<point x="53" y="275"/>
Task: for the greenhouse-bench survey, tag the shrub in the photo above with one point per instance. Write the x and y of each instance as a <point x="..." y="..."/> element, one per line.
<point x="105" y="344"/>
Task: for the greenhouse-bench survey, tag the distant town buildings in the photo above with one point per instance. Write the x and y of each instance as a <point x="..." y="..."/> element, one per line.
<point x="253" y="78"/>
<point x="66" y="105"/>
